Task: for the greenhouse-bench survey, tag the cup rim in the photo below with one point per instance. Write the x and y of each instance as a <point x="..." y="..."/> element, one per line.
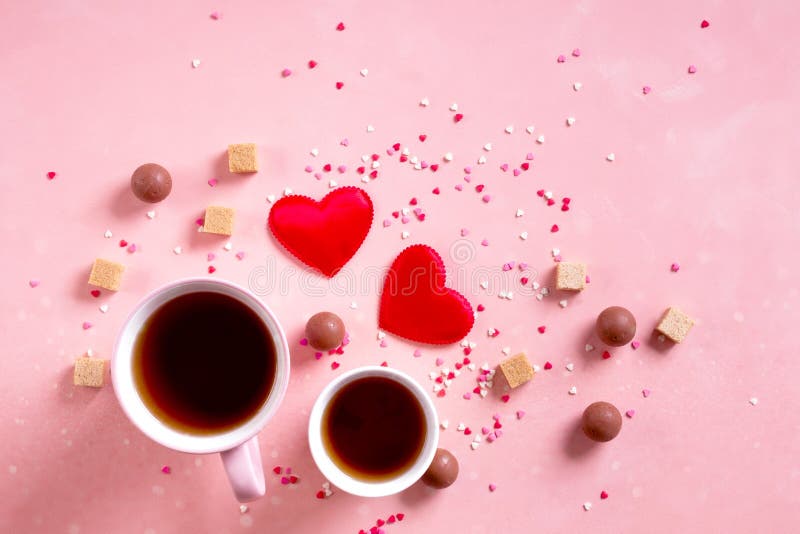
<point x="131" y="402"/>
<point x="352" y="485"/>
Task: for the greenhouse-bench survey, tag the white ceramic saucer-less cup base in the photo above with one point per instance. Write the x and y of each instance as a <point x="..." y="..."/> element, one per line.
<point x="342" y="480"/>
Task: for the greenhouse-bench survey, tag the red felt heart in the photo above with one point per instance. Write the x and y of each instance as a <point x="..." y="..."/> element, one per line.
<point x="416" y="305"/>
<point x="324" y="234"/>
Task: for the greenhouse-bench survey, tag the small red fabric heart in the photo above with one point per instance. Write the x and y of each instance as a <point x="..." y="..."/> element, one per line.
<point x="324" y="234"/>
<point x="416" y="305"/>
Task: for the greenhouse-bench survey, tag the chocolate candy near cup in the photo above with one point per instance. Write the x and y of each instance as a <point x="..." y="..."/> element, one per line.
<point x="443" y="471"/>
<point x="601" y="421"/>
<point x="151" y="182"/>
<point x="616" y="326"/>
<point x="325" y="331"/>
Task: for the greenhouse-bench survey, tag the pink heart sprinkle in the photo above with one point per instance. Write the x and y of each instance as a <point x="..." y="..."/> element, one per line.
<point x="344" y="142"/>
<point x="240" y="256"/>
<point x="286" y="73"/>
<point x="33" y="283"/>
<point x="390" y="151"/>
<point x="504" y="167"/>
<point x="517" y="172"/>
<point x="520" y="414"/>
<point x="309" y="168"/>
<point x="498" y="433"/>
<point x="492" y="487"/>
<point x="318" y="176"/>
<point x="284" y="480"/>
<point x="405" y="219"/>
<point x="387" y="223"/>
<point x="485" y="243"/>
<point x="490" y="438"/>
<point x="459" y="187"/>
<point x="423" y="164"/>
<point x="646" y="89"/>
<point x="166" y="470"/>
<point x="198" y="222"/>
<point x="384" y="343"/>
<point x="417" y="353"/>
<point x="87" y="325"/>
<point x="439" y="361"/>
<point x="132" y="248"/>
<point x="675" y="267"/>
<point x="635" y="345"/>
<point x="630" y="413"/>
<point x="467" y="395"/>
<point x="576" y="52"/>
<point x="468" y="169"/>
<point x="464" y="232"/>
<point x="342" y="169"/>
<point x="486" y="198"/>
<point x="468" y="179"/>
<point x="216" y="15"/>
<point x="417" y="211"/>
<point x="529" y="156"/>
<point x="507" y="267"/>
<point x="692" y="69"/>
<point x="304" y="342"/>
<point x="318" y="355"/>
<point x="523" y="265"/>
<point x="645" y="393"/>
<point x="213" y="182"/>
<point x="561" y="58"/>
<point x="210" y="256"/>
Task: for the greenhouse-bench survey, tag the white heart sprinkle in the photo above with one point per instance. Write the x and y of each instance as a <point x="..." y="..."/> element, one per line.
<point x="539" y="297"/>
<point x="448" y="156"/>
<point x="453" y="107"/>
<point x="354" y="305"/>
<point x="364" y="72"/>
<point x="481" y="160"/>
<point x="588" y="347"/>
<point x="370" y="128"/>
<point x="177" y="250"/>
<point x="506" y="350"/>
<point x="510" y="295"/>
<point x="332" y="184"/>
<point x="530" y="129"/>
<point x="444" y="424"/>
<point x="477" y="439"/>
<point x="563" y="303"/>
<point x="471" y="366"/>
<point x="570" y="367"/>
<point x="555" y="252"/>
<point x="487" y="147"/>
<point x="472" y="344"/>
<point x="381" y="334"/>
<point x="151" y="214"/>
<point x="484" y="284"/>
<point x="104" y="308"/>
<point x="570" y="121"/>
<point x="509" y="129"/>
<point x="548" y="195"/>
<point x="535" y="285"/>
<point x="365" y="158"/>
<point x="536" y="368"/>
<point x="195" y="63"/>
<point x="461" y="427"/>
<point x="573" y="390"/>
<point x="520" y="212"/>
<point x="365" y="179"/>
<point x="406" y="151"/>
<point x="464" y="343"/>
<point x="754" y="401"/>
<point x="611" y="157"/>
<point x="413" y="160"/>
<point x="424" y="102"/>
<point x="474" y="445"/>
<point x="540" y="139"/>
<point x="405" y="211"/>
<point x="315" y="152"/>
<point x="270" y="198"/>
<point x="577" y="86"/>
<point x="287" y="191"/>
<point x="405" y="235"/>
<point x="228" y="246"/>
<point x="375" y="164"/>
<point x="243" y="508"/>
<point x="484" y="392"/>
<point x="108" y="234"/>
<point x="523" y="236"/>
<point x="587" y="506"/>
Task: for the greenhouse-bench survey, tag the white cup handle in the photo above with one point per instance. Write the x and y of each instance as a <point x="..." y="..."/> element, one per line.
<point x="246" y="475"/>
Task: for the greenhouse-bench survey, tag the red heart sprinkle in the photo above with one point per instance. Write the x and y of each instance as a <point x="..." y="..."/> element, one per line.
<point x="380" y="522"/>
<point x="321" y="495"/>
<point x="466" y="361"/>
<point x="335" y="365"/>
<point x="459" y="365"/>
<point x="606" y="355"/>
<point x="480" y="307"/>
<point x="705" y="24"/>
<point x="312" y="64"/>
<point x="497" y="423"/>
<point x="565" y="207"/>
<point x="403" y="158"/>
<point x="565" y="200"/>
<point x="361" y="170"/>
<point x="554" y="228"/>
<point x="293" y="479"/>
<point x="439" y="379"/>
<point x="277" y="470"/>
<point x="400" y="517"/>
<point x="375" y="157"/>
<point x="391" y="519"/>
<point x="413" y="201"/>
<point x="396" y="147"/>
<point x="451" y="375"/>
<point x="441" y="393"/>
<point x="435" y="191"/>
<point x="384" y="364"/>
<point x="523" y="280"/>
<point x="548" y="366"/>
<point x="422" y="137"/>
<point x="327" y="167"/>
<point x="525" y="165"/>
<point x="467" y="351"/>
<point x="339" y="85"/>
<point x="541" y="329"/>
<point x="479" y="188"/>
<point x="395" y="214"/>
<point x="211" y="269"/>
<point x="340" y="27"/>
<point x="457" y="117"/>
<point x="434" y="167"/>
<point x="467" y="431"/>
<point x="51" y="175"/>
<point x="540" y="192"/>
<point x="504" y="398"/>
<point x="373" y="174"/>
<point x="603" y="495"/>
<point x="477" y="390"/>
<point x="95" y="293"/>
<point x="550" y="201"/>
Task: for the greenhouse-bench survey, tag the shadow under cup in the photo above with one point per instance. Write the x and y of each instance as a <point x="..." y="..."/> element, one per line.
<point x="200" y="365"/>
<point x="373" y="431"/>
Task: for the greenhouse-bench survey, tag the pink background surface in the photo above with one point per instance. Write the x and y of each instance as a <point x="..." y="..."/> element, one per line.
<point x="705" y="175"/>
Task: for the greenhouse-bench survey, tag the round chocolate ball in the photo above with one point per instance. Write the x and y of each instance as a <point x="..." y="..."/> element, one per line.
<point x="616" y="326"/>
<point x="151" y="182"/>
<point x="601" y="421"/>
<point x="443" y="471"/>
<point x="325" y="331"/>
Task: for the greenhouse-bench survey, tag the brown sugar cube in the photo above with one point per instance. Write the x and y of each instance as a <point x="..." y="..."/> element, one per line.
<point x="517" y="369"/>
<point x="242" y="158"/>
<point x="218" y="220"/>
<point x="675" y="324"/>
<point x="106" y="274"/>
<point x="570" y="276"/>
<point x="89" y="372"/>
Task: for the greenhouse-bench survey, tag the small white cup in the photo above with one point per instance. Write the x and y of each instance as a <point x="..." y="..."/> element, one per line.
<point x="238" y="446"/>
<point x="363" y="488"/>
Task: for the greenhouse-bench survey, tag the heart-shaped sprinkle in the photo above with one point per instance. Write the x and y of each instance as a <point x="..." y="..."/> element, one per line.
<point x="480" y="307"/>
<point x="422" y="138"/>
<point x="51" y="175"/>
<point x="335" y="365"/>
<point x="457" y="117"/>
<point x="705" y="24"/>
<point x="103" y="308"/>
<point x="340" y="27"/>
<point x="87" y="325"/>
<point x="492" y="487"/>
<point x="645" y="393"/>
<point x="561" y="58"/>
<point x="33" y="283"/>
<point x="339" y="85"/>
<point x="576" y="52"/>
<point x="630" y="413"/>
<point x="542" y="329"/>
<point x="646" y="89"/>
<point x="692" y="69"/>
<point x="312" y="63"/>
<point x="504" y="398"/>
<point x="603" y="495"/>
<point x="606" y="355"/>
<point x="504" y="167"/>
<point x="548" y="366"/>
<point x="95" y="293"/>
<point x="123" y="243"/>
<point x="635" y="345"/>
<point x="211" y="269"/>
<point x="286" y="73"/>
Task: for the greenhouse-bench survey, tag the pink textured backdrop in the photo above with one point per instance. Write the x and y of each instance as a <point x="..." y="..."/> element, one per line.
<point x="705" y="175"/>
